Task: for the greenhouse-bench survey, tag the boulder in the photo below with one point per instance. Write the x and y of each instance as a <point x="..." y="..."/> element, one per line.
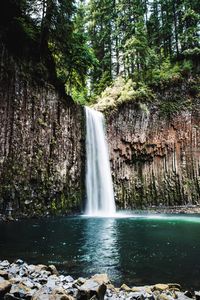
<point x="21" y="291"/>
<point x="92" y="288"/>
<point x="4" y="274"/>
<point x="41" y="294"/>
<point x="101" y="278"/>
<point x="52" y="269"/>
<point x="112" y="288"/>
<point x="181" y="296"/>
<point x="69" y="278"/>
<point x="174" y="286"/>
<point x="19" y="262"/>
<point x="40" y="268"/>
<point x="189" y="294"/>
<point x="164" y="297"/>
<point x="125" y="288"/>
<point x="161" y="287"/>
<point x="4" y="264"/>
<point x="80" y="281"/>
<point x="60" y="294"/>
<point x="13" y="270"/>
<point x="14" y="280"/>
<point x="51" y="283"/>
<point x="2" y="279"/>
<point x="28" y="283"/>
<point x="147" y="289"/>
<point x="5" y="287"/>
<point x="197" y="295"/>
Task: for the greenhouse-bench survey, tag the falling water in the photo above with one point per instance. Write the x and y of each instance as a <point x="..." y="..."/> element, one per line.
<point x="99" y="187"/>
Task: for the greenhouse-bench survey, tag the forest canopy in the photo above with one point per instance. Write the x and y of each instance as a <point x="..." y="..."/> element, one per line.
<point x="87" y="45"/>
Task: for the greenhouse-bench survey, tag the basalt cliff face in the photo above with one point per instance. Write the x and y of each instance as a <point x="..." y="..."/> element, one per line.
<point x="41" y="146"/>
<point x="154" y="147"/>
<point x="154" y="152"/>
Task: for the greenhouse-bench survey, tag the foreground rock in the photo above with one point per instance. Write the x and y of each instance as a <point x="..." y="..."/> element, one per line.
<point x="19" y="280"/>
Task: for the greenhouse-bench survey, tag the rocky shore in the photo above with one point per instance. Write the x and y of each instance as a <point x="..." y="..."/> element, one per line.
<point x="19" y="280"/>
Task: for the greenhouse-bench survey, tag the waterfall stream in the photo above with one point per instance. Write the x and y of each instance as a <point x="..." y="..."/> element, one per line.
<point x="99" y="186"/>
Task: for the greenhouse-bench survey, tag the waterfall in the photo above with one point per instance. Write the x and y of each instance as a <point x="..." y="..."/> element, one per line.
<point x="99" y="186"/>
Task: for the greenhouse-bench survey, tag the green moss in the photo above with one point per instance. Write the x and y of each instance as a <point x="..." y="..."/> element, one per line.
<point x="53" y="205"/>
<point x="42" y="123"/>
<point x="170" y="108"/>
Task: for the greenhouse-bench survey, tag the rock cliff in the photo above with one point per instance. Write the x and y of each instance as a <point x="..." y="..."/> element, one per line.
<point x="155" y="149"/>
<point x="41" y="145"/>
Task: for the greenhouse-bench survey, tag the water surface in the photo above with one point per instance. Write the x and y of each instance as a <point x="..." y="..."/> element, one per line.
<point x="136" y="250"/>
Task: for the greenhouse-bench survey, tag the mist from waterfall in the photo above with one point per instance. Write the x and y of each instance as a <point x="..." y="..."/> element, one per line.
<point x="99" y="186"/>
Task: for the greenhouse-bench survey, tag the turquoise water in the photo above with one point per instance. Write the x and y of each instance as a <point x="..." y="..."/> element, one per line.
<point x="136" y="250"/>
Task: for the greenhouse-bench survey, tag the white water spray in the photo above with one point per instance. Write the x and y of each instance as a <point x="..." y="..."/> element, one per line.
<point x="99" y="187"/>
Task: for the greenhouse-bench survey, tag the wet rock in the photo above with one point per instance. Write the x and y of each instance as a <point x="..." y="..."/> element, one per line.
<point x="28" y="283"/>
<point x="61" y="278"/>
<point x="21" y="291"/>
<point x="4" y="274"/>
<point x="137" y="289"/>
<point x="164" y="297"/>
<point x="4" y="264"/>
<point x="161" y="287"/>
<point x="60" y="294"/>
<point x="4" y="287"/>
<point x="189" y="294"/>
<point x="111" y="288"/>
<point x="2" y="279"/>
<point x="37" y="285"/>
<point x="40" y="268"/>
<point x="181" y="296"/>
<point x="125" y="288"/>
<point x="31" y="269"/>
<point x="19" y="262"/>
<point x="23" y="272"/>
<point x="197" y="295"/>
<point x="52" y="269"/>
<point x="14" y="280"/>
<point x="51" y="283"/>
<point x="13" y="270"/>
<point x="92" y="288"/>
<point x="101" y="278"/>
<point x="69" y="279"/>
<point x="175" y="286"/>
<point x="80" y="280"/>
<point x="42" y="294"/>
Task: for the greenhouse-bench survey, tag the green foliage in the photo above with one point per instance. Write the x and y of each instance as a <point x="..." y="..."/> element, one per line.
<point x="80" y="96"/>
<point x="52" y="34"/>
<point x="149" y="41"/>
<point x="187" y="67"/>
<point x="123" y="91"/>
<point x="27" y="28"/>
<point x="87" y="45"/>
<point x="104" y="81"/>
<point x="192" y="52"/>
<point x="167" y="73"/>
<point x="172" y="107"/>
